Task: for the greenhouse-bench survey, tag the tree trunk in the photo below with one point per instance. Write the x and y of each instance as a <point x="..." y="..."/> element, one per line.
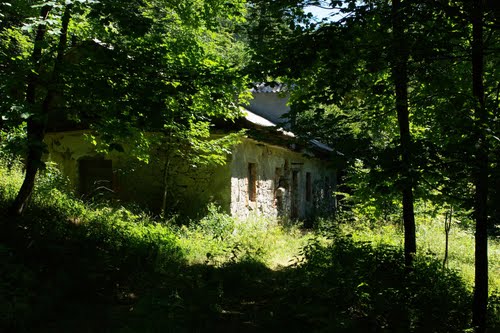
<point x="37" y="122"/>
<point x="481" y="173"/>
<point x="447" y="227"/>
<point x="400" y="76"/>
<point x="26" y="189"/>
<point x="166" y="174"/>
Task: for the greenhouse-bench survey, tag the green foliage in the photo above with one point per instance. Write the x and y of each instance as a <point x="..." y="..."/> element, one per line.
<point x="11" y="179"/>
<point x="430" y="238"/>
<point x="342" y="95"/>
<point x="72" y="264"/>
<point x="13" y="144"/>
<point x="157" y="66"/>
<point x="219" y="238"/>
<point x="373" y="290"/>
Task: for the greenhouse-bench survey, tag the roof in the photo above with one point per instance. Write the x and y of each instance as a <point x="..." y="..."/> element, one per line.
<point x="269" y="108"/>
<point x="256" y="119"/>
<point x="321" y="145"/>
<point x="263" y="122"/>
<point x="264" y="87"/>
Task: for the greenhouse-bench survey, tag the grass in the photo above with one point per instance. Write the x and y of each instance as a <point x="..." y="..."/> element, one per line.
<point x="218" y="239"/>
<point x="431" y="240"/>
<point x="80" y="267"/>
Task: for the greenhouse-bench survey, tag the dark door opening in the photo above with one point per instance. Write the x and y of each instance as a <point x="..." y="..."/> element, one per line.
<point x="96" y="177"/>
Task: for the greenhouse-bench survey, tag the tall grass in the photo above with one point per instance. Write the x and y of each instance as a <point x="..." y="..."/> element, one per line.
<point x="110" y="254"/>
<point x="215" y="239"/>
<point x="431" y="240"/>
<point x="218" y="238"/>
<point x="155" y="275"/>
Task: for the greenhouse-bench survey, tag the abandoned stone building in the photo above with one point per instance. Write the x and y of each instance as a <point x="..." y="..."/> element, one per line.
<point x="268" y="173"/>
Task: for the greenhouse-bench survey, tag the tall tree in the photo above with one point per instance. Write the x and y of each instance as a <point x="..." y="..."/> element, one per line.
<point x="359" y="55"/>
<point x="481" y="170"/>
<point x="400" y="77"/>
<point x="153" y="64"/>
<point x="445" y="70"/>
<point x="37" y="122"/>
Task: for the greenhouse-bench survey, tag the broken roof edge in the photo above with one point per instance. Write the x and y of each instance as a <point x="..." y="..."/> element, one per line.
<point x="257" y="120"/>
<point x="261" y="121"/>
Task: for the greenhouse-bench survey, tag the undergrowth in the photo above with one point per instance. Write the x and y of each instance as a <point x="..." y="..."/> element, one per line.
<point x="70" y="265"/>
<point x="431" y="241"/>
<point x="219" y="238"/>
<point x="375" y="291"/>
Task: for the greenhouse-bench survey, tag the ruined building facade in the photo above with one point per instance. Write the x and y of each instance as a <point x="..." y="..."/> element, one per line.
<point x="268" y="173"/>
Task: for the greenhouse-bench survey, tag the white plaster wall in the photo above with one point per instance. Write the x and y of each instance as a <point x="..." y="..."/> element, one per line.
<point x="270" y="106"/>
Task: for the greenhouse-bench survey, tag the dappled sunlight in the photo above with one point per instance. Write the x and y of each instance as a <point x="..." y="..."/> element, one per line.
<point x="86" y="267"/>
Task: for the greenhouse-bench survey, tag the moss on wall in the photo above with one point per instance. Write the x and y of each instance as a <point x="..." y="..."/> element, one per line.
<point x="190" y="189"/>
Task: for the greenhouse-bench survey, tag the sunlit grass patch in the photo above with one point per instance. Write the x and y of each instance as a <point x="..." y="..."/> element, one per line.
<point x="431" y="240"/>
<point x="11" y="178"/>
<point x="219" y="238"/>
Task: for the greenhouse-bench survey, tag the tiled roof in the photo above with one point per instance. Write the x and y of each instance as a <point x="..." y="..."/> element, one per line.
<point x="265" y="87"/>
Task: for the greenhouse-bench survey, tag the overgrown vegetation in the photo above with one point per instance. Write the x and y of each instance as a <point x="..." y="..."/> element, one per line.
<point x="431" y="240"/>
<point x="429" y="69"/>
<point x="92" y="267"/>
<point x="218" y="238"/>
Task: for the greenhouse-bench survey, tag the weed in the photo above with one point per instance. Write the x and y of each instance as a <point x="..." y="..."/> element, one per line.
<point x="71" y="264"/>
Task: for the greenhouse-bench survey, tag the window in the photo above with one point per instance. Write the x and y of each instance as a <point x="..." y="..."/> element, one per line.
<point x="308" y="187"/>
<point x="252" y="182"/>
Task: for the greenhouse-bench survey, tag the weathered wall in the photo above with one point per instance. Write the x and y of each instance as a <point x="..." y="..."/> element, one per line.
<point x="274" y="163"/>
<point x="189" y="192"/>
<point x="270" y="106"/>
<point x="191" y="188"/>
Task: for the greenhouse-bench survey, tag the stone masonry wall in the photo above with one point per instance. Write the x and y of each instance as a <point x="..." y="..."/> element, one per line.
<point x="274" y="165"/>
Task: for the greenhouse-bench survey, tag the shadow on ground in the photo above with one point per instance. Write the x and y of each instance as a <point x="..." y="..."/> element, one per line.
<point x="67" y="277"/>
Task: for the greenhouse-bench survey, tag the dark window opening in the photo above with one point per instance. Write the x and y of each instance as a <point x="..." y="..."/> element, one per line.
<point x="308" y="186"/>
<point x="278" y="177"/>
<point x="96" y="177"/>
<point x="252" y="181"/>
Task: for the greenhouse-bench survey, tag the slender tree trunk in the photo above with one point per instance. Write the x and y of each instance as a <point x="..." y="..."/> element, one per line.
<point x="481" y="172"/>
<point x="24" y="193"/>
<point x="166" y="173"/>
<point x="447" y="227"/>
<point x="37" y="122"/>
<point x="400" y="76"/>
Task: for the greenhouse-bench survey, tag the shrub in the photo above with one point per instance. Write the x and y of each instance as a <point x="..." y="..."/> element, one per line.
<point x="219" y="238"/>
<point x="357" y="285"/>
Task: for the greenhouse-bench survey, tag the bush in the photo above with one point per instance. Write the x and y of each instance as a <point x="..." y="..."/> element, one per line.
<point x="219" y="238"/>
<point x="359" y="286"/>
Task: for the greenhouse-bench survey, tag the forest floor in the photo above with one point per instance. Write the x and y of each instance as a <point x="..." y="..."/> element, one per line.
<point x="69" y="266"/>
